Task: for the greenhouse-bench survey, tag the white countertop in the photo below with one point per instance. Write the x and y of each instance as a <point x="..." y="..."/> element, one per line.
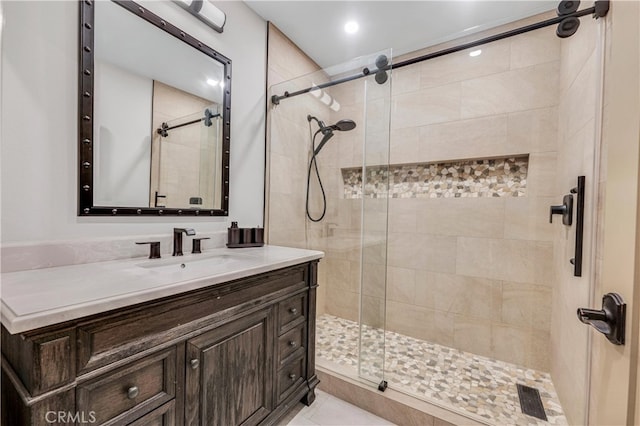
<point x="42" y="297"/>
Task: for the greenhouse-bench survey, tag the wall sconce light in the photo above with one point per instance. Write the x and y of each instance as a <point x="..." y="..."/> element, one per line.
<point x="205" y="11"/>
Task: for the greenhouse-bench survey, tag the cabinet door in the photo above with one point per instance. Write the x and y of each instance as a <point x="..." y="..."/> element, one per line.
<point x="230" y="369"/>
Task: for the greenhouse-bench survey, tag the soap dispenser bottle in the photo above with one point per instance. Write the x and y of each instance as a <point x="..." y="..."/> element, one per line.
<point x="233" y="234"/>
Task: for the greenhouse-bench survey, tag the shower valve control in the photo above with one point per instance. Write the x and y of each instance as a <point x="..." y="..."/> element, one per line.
<point x="565" y="209"/>
<point x="610" y="320"/>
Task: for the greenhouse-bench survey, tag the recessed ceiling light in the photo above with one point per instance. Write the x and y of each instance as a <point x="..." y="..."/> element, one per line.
<point x="475" y="52"/>
<point x="351" y="27"/>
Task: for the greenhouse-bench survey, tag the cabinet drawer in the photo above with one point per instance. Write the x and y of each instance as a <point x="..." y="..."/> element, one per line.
<point x="290" y="343"/>
<point x="106" y="340"/>
<point x="121" y="396"/>
<point x="163" y="416"/>
<point x="289" y="377"/>
<point x="292" y="312"/>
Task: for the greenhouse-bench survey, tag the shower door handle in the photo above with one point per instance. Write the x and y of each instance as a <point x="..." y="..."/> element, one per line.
<point x="610" y="320"/>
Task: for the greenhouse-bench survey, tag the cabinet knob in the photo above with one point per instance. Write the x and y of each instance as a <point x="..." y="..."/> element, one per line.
<point x="292" y="376"/>
<point x="292" y="343"/>
<point x="195" y="363"/>
<point x="293" y="311"/>
<point x="132" y="392"/>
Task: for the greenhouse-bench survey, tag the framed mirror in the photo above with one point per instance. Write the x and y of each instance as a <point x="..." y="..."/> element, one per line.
<point x="154" y="116"/>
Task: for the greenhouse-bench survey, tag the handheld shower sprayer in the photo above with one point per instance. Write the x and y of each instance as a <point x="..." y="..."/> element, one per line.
<point x="327" y="133"/>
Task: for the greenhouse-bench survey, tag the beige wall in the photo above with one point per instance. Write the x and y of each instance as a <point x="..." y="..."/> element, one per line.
<point x="614" y="368"/>
<point x="578" y="118"/>
<point x="288" y="148"/>
<point x="477" y="271"/>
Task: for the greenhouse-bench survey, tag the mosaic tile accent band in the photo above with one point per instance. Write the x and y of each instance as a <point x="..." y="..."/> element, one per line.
<point x="491" y="177"/>
<point x="460" y="380"/>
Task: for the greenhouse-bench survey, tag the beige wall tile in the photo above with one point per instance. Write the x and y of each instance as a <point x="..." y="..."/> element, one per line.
<point x="404" y="145"/>
<point x="576" y="50"/>
<point x="373" y="311"/>
<point x="472" y="335"/>
<point x="338" y="275"/>
<point x="427" y="252"/>
<point x="510" y="344"/>
<point x="406" y="79"/>
<point x="473" y="217"/>
<point x="578" y="103"/>
<point x="541" y="178"/>
<point x="539" y="355"/>
<point x="527" y="218"/>
<point x="526" y="305"/>
<point x="536" y="47"/>
<point x="374" y="281"/>
<point x="401" y="285"/>
<point x="508" y="260"/>
<point x="517" y="90"/>
<point x="283" y="61"/>
<point x="532" y="130"/>
<point x="281" y="181"/>
<point x="410" y="320"/>
<point x="403" y="213"/>
<point x="470" y="296"/>
<point x="407" y="319"/>
<point x="460" y="66"/>
<point x="475" y="138"/>
<point x="427" y="106"/>
<point x="341" y="304"/>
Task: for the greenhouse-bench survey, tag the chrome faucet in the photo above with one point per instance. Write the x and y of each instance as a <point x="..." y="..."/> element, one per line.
<point x="177" y="239"/>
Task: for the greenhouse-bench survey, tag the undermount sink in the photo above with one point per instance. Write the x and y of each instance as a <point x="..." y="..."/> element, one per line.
<point x="210" y="260"/>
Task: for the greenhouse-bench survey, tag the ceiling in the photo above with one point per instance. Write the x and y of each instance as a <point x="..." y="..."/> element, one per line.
<point x="317" y="27"/>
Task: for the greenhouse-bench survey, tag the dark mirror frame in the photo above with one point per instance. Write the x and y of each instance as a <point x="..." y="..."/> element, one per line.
<point x="85" y="117"/>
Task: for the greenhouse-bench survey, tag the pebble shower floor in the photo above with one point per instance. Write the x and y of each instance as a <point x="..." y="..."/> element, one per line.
<point x="460" y="380"/>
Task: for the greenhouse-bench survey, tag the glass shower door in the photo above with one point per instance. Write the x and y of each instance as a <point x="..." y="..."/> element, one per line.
<point x="375" y="200"/>
<point x="320" y="171"/>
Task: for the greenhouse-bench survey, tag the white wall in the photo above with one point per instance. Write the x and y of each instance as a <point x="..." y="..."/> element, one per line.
<point x="39" y="124"/>
<point x="121" y="135"/>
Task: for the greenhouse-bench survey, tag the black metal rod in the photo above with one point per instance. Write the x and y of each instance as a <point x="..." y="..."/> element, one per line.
<point x="517" y="31"/>
<point x="496" y="37"/>
<point x="577" y="260"/>
<point x="276" y="99"/>
<point x="197" y="120"/>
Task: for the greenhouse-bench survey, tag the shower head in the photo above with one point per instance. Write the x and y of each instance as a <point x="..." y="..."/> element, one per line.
<point x="344" y="125"/>
<point x="327" y="131"/>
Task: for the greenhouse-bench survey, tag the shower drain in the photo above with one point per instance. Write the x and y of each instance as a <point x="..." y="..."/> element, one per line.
<point x="530" y="402"/>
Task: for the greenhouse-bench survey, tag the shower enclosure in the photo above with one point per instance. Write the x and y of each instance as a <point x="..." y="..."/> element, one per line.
<point x="442" y="276"/>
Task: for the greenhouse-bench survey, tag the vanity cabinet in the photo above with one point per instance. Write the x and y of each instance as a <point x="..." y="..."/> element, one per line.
<point x="240" y="352"/>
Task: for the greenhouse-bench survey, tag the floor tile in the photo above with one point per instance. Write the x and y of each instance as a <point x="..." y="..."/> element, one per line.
<point x="328" y="410"/>
<point x="462" y="381"/>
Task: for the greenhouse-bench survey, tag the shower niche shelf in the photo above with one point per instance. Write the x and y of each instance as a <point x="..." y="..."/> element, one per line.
<point x="504" y="176"/>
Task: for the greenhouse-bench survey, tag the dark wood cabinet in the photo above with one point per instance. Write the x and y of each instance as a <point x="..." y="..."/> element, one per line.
<point x="235" y="353"/>
<point x="230" y="374"/>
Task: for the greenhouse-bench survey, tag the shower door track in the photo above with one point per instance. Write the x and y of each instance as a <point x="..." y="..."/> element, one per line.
<point x="599" y="10"/>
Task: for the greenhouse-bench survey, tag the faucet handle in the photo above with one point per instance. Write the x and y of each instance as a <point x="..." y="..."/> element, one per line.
<point x="154" y="252"/>
<point x="187" y="231"/>
<point x="195" y="248"/>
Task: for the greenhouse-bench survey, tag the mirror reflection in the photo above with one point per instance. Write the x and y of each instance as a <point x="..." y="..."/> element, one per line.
<point x="157" y="116"/>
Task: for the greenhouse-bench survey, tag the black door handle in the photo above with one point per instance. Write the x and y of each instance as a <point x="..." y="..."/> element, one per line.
<point x="610" y="320"/>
